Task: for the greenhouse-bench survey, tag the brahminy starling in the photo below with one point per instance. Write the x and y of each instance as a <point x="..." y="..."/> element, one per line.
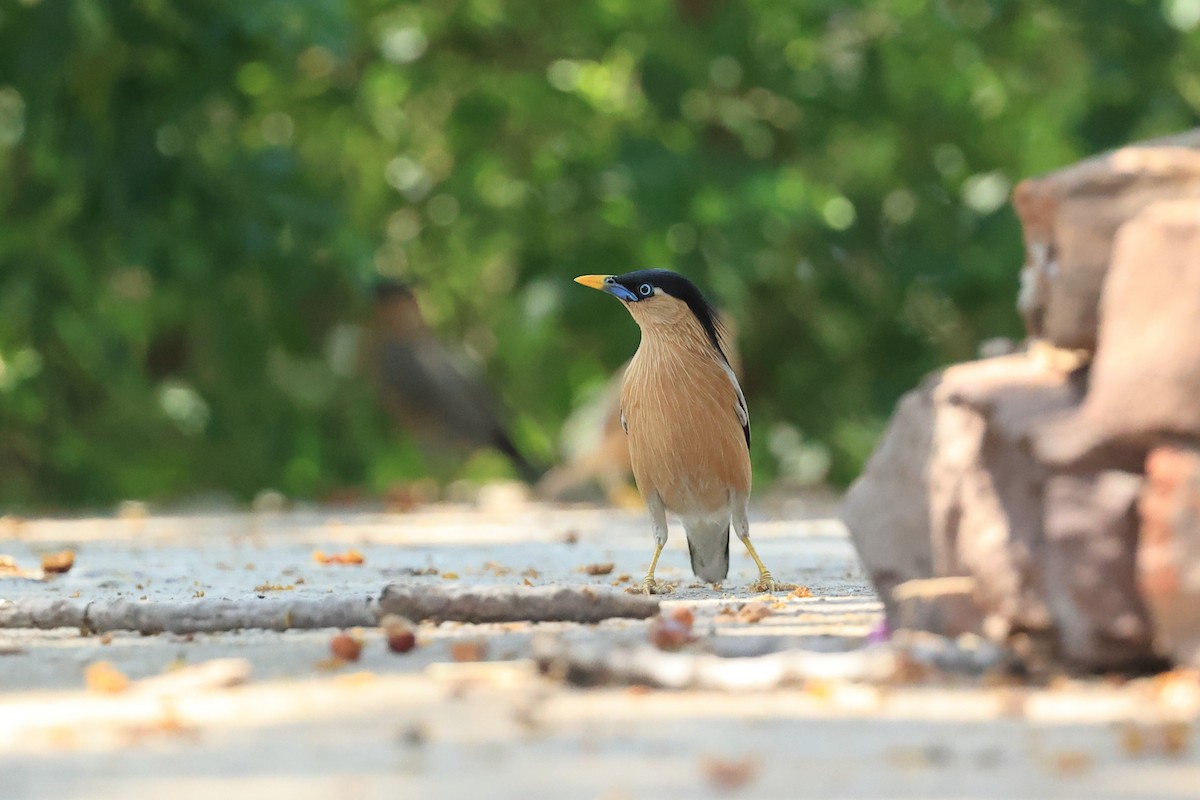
<point x="687" y="423"/>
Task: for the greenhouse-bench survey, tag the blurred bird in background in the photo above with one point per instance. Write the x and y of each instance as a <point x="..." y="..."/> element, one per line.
<point x="447" y="408"/>
<point x="687" y="423"/>
<point x="597" y="462"/>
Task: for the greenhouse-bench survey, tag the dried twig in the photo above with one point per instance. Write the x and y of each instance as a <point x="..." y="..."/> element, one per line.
<point x="514" y="603"/>
<point x="738" y="668"/>
<point x="191" y="616"/>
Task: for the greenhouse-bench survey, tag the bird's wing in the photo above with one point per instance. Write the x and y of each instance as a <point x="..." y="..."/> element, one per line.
<point x="399" y="374"/>
<point x="445" y="400"/>
<point x="743" y="413"/>
<point x="425" y="382"/>
<point x="459" y="388"/>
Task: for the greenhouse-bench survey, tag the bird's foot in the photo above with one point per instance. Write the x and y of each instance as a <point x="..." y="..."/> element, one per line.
<point x="766" y="583"/>
<point x="651" y="585"/>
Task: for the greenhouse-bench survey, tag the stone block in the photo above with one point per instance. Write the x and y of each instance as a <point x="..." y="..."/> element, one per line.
<point x="1144" y="383"/>
<point x="1169" y="550"/>
<point x="1070" y="218"/>
<point x="1089" y="563"/>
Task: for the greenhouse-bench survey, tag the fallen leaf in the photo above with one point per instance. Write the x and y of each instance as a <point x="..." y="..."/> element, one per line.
<point x="662" y="587"/>
<point x="684" y="616"/>
<point x="753" y="612"/>
<point x="103" y="677"/>
<point x="603" y="568"/>
<point x="345" y="647"/>
<point x="399" y="633"/>
<point x="329" y="664"/>
<point x="58" y="563"/>
<point x="800" y="592"/>
<point x="450" y="576"/>
<point x="350" y="556"/>
<point x="468" y="650"/>
<point x="818" y="689"/>
<point x="1071" y="762"/>
<point x="1133" y="739"/>
<point x="266" y="587"/>
<point x="729" y="774"/>
<point x="402" y="641"/>
<point x="669" y="634"/>
<point x="1176" y="738"/>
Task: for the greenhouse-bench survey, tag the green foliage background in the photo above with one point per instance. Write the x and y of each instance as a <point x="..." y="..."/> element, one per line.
<point x="196" y="194"/>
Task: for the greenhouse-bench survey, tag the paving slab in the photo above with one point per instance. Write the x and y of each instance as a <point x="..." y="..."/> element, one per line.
<point x="426" y="723"/>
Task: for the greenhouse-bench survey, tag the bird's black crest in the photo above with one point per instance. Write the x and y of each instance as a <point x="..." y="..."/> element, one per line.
<point x="680" y="288"/>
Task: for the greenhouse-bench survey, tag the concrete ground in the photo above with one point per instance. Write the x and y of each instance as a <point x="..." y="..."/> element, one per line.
<point x="428" y="723"/>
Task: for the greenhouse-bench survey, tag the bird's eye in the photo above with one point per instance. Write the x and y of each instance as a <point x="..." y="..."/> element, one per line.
<point x="646" y="289"/>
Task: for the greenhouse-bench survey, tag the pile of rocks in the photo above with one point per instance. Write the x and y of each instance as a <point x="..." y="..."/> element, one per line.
<point x="1053" y="495"/>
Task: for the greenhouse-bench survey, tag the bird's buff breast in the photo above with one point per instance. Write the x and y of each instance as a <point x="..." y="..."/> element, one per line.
<point x="685" y="441"/>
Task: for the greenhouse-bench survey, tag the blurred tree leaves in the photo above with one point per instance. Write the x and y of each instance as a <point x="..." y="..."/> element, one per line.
<point x="195" y="196"/>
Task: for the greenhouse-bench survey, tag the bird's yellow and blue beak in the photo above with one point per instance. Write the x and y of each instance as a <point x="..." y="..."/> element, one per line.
<point x="607" y="283"/>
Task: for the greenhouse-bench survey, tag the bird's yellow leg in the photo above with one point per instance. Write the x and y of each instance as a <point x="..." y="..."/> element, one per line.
<point x="766" y="582"/>
<point x="649" y="584"/>
<point x="658" y="518"/>
<point x="741" y="525"/>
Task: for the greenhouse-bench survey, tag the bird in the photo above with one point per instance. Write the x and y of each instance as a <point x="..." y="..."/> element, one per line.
<point x="445" y="406"/>
<point x="599" y="452"/>
<point x="687" y="423"/>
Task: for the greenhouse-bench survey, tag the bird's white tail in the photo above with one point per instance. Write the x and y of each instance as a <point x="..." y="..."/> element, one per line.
<point x="708" y="545"/>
